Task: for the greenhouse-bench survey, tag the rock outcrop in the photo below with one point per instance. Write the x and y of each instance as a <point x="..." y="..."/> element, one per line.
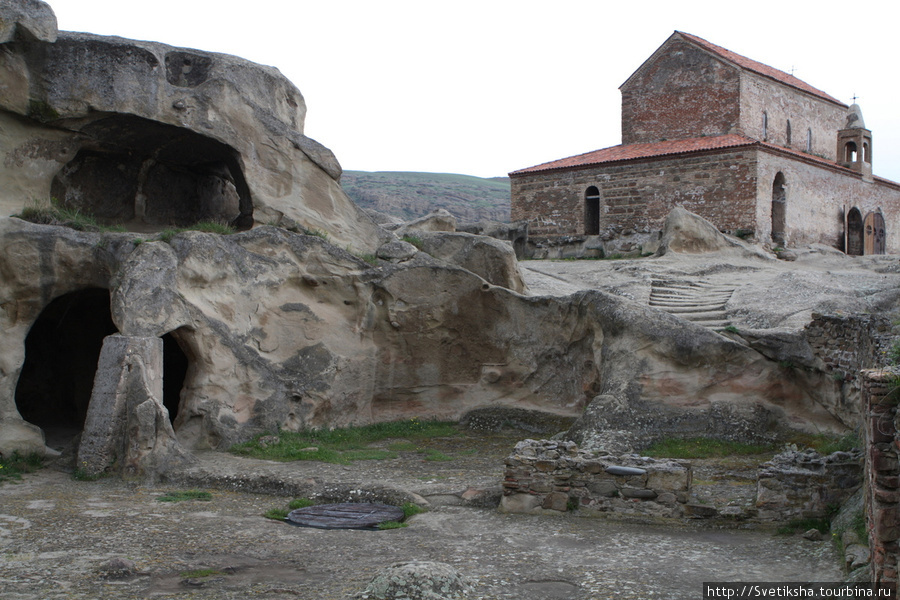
<point x="686" y="232"/>
<point x="208" y="137"/>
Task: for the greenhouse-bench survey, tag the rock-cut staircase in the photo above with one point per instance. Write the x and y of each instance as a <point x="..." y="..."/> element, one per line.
<point x="697" y="301"/>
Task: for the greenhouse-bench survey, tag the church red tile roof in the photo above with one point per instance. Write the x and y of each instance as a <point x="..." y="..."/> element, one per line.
<point x="758" y="67"/>
<point x="634" y="151"/>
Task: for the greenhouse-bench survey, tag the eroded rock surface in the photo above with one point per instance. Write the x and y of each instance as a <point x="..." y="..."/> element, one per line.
<point x="209" y="136"/>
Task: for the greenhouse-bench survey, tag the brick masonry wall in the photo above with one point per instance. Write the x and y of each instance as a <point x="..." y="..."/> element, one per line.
<point x="880" y="399"/>
<point x="816" y="200"/>
<point x="684" y="93"/>
<point x="637" y="196"/>
<point x="783" y="103"/>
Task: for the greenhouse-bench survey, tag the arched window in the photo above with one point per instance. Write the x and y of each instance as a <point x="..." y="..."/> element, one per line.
<point x="850" y="152"/>
<point x="787" y="134"/>
<point x="765" y="130"/>
<point x="809" y="140"/>
<point x="866" y="157"/>
<point x="592" y="211"/>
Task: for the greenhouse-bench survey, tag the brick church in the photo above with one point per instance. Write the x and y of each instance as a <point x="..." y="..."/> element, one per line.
<point x="754" y="150"/>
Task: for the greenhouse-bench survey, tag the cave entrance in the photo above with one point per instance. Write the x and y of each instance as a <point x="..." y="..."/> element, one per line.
<point x="149" y="176"/>
<point x="61" y="354"/>
<point x="175" y="368"/>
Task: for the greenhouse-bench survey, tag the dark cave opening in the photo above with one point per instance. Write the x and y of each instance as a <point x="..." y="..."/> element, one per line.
<point x="149" y="176"/>
<point x="175" y="368"/>
<point x="61" y="354"/>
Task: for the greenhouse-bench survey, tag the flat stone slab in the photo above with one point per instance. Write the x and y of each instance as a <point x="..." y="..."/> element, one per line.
<point x="346" y="515"/>
<point x="616" y="470"/>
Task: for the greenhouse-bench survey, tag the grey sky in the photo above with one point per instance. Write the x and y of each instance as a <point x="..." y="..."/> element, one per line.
<point x="486" y="87"/>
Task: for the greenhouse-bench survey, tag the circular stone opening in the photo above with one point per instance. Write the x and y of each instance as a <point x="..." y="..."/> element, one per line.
<point x="346" y="515"/>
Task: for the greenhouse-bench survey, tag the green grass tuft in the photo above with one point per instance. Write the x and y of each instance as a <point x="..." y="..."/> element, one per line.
<point x="277" y="514"/>
<point x="411" y="510"/>
<point x="701" y="447"/>
<point x="182" y="495"/>
<point x="13" y="467"/>
<point x="392" y="525"/>
<point x="414" y="240"/>
<point x="300" y="503"/>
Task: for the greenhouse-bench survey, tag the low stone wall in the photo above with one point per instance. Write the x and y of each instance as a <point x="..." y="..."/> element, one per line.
<point x="881" y="398"/>
<point x="806" y="485"/>
<point x="549" y="476"/>
<point x="848" y="343"/>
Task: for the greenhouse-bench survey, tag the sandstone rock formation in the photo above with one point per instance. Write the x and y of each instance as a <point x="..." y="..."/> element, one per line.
<point x="686" y="232"/>
<point x="487" y="257"/>
<point x="208" y="137"/>
<point x="274" y="328"/>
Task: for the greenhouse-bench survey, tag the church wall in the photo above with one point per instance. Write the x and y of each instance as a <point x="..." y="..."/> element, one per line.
<point x="683" y="93"/>
<point x="816" y="200"/>
<point x="782" y="103"/>
<point x="637" y="196"/>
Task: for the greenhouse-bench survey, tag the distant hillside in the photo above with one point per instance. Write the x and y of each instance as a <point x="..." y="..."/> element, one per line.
<point x="407" y="195"/>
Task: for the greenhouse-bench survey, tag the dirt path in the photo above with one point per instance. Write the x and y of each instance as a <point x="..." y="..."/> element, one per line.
<point x="56" y="535"/>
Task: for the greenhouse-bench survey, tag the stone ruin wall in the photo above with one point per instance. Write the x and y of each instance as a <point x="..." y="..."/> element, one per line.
<point x="806" y="485"/>
<point x="882" y="428"/>
<point x="549" y="476"/>
<point x="847" y="344"/>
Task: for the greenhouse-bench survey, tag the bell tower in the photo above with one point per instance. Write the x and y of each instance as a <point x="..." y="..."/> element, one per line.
<point x="854" y="144"/>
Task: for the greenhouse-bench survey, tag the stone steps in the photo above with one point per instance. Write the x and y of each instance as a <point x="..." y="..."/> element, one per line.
<point x="696" y="301"/>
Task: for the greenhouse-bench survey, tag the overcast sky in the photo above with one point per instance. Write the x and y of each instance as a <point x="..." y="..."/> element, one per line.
<point x="485" y="87"/>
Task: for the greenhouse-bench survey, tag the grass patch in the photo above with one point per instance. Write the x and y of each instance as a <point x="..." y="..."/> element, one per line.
<point x="15" y="466"/>
<point x="411" y="510"/>
<point x="701" y="447"/>
<point x="433" y="455"/>
<point x="826" y="443"/>
<point x="392" y="525"/>
<point x="414" y="240"/>
<point x="802" y="525"/>
<point x="277" y="514"/>
<point x="343" y="446"/>
<point x="280" y="514"/>
<point x="182" y="495"/>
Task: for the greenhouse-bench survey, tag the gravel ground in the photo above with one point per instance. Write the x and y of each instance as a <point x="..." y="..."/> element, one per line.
<point x="58" y="536"/>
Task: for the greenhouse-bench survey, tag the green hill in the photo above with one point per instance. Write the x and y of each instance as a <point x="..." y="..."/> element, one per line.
<point x="407" y="195"/>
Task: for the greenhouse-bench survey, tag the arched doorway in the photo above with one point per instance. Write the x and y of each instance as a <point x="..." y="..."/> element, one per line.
<point x="61" y="353"/>
<point x="855" y="243"/>
<point x="873" y="232"/>
<point x="779" y="209"/>
<point x="592" y="211"/>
